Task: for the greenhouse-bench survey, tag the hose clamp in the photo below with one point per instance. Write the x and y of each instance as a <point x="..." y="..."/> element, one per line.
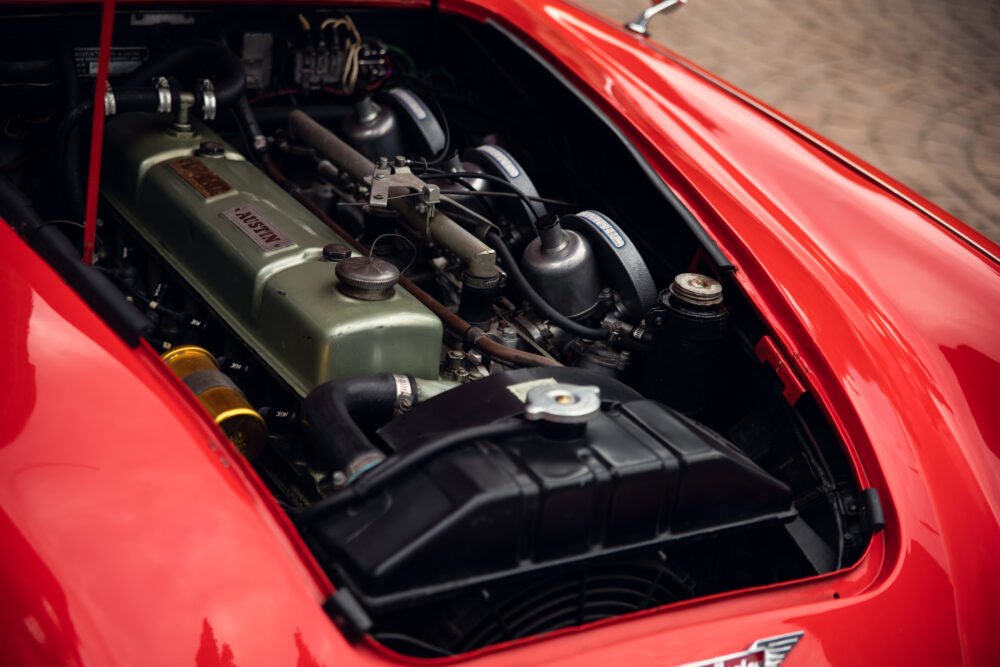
<point x="165" y="99"/>
<point x="110" y="103"/>
<point x="406" y="394"/>
<point x="209" y="105"/>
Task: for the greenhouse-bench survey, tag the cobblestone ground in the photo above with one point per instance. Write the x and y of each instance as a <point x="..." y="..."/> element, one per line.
<point x="911" y="86"/>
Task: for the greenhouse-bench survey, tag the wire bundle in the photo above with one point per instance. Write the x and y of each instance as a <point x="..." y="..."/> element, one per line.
<point x="352" y="50"/>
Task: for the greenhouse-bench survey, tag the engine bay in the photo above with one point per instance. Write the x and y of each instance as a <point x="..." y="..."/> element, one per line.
<point x="494" y="372"/>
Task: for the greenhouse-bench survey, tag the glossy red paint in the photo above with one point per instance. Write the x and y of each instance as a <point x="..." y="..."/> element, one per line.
<point x="97" y="129"/>
<point x="131" y="531"/>
<point x="141" y="510"/>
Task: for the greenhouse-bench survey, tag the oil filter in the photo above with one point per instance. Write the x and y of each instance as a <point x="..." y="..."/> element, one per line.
<point x="224" y="401"/>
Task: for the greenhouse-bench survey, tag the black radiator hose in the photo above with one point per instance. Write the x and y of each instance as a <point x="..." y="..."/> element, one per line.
<point x="331" y="414"/>
<point x="205" y="59"/>
<point x="528" y="292"/>
<point x="27" y="72"/>
<point x="68" y="158"/>
<point x="93" y="286"/>
<point x="250" y="128"/>
<point x="136" y="92"/>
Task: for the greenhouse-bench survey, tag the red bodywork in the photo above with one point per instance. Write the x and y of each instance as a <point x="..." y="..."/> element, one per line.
<point x="134" y="534"/>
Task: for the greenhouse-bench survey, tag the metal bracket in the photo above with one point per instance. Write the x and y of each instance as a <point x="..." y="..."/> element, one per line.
<point x="381" y="181"/>
<point x="418" y="203"/>
<point x="384" y="178"/>
<point x="640" y="24"/>
<point x="430" y="197"/>
<point x="769" y="353"/>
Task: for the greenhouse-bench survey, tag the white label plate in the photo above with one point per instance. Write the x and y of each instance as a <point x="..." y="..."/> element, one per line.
<point x="258" y="229"/>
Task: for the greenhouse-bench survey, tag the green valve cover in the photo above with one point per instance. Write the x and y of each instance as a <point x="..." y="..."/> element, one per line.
<point x="255" y="255"/>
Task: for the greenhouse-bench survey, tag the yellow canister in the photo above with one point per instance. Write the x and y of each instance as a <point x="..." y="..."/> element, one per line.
<point x="224" y="401"/>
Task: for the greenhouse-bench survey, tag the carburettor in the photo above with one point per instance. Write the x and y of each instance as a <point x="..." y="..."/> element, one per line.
<point x="255" y="255"/>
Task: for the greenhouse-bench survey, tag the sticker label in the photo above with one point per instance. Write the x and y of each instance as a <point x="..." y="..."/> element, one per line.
<point x="124" y="59"/>
<point x="258" y="229"/>
<point x="415" y="106"/>
<point x="521" y="390"/>
<point x="197" y="174"/>
<point x="604" y="226"/>
<point x="502" y="158"/>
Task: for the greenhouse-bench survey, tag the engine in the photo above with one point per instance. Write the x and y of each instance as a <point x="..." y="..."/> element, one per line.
<point x="461" y="331"/>
<point x="278" y="277"/>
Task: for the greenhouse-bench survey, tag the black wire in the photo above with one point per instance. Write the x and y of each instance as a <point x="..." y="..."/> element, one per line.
<point x="524" y="287"/>
<point x="458" y="175"/>
<point x="511" y="195"/>
<point x="98" y="243"/>
<point x="405" y="462"/>
<point x="248" y="147"/>
<point x="470" y="221"/>
<point x="528" y="292"/>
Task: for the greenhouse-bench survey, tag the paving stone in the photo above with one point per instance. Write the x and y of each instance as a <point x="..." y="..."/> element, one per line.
<point x="911" y="86"/>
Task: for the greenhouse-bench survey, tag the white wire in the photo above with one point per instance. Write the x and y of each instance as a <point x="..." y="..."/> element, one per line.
<point x="352" y="51"/>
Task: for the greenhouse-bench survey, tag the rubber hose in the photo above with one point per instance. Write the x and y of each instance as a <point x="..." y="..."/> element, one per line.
<point x="208" y="59"/>
<point x="251" y="129"/>
<point x="330" y="415"/>
<point x="536" y="300"/>
<point x="409" y="461"/>
<point x="68" y="160"/>
<point x="27" y="71"/>
<point x="74" y="169"/>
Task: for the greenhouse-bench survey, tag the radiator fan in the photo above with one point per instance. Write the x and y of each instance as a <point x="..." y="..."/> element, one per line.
<point x="515" y="609"/>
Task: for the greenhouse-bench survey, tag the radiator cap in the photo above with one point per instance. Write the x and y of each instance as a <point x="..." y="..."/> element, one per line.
<point x="563" y="403"/>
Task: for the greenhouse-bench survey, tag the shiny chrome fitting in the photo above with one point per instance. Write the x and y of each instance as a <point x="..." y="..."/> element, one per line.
<point x="209" y="105"/>
<point x="110" y="103"/>
<point x="641" y="23"/>
<point x="165" y="102"/>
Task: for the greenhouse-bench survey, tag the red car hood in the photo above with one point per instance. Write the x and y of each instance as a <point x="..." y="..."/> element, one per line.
<point x="135" y="535"/>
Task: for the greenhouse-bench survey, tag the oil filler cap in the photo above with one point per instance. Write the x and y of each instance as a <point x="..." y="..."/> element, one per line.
<point x="367" y="278"/>
<point x="563" y="403"/>
<point x="696" y="289"/>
